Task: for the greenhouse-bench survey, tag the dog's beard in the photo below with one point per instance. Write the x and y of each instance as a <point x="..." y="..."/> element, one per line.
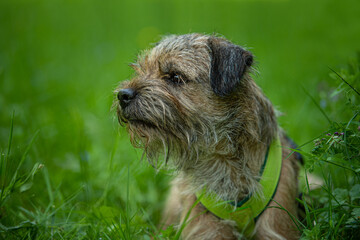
<point x="156" y="143"/>
<point x="163" y="138"/>
<point x="160" y="145"/>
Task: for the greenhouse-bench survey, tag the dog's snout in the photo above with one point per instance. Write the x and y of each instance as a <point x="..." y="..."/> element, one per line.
<point x="125" y="96"/>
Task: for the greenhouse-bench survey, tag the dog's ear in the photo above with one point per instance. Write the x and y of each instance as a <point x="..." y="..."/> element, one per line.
<point x="229" y="63"/>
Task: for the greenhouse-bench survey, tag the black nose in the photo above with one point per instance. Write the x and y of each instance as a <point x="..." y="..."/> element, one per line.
<point x="125" y="96"/>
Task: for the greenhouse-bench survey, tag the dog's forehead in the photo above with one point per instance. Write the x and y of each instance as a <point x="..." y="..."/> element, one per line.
<point x="180" y="45"/>
<point x="188" y="54"/>
<point x="182" y="42"/>
<point x="184" y="51"/>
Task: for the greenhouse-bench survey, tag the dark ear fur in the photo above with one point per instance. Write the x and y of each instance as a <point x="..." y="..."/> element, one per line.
<point x="229" y="63"/>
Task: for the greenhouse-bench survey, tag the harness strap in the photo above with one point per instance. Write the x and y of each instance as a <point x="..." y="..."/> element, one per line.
<point x="246" y="211"/>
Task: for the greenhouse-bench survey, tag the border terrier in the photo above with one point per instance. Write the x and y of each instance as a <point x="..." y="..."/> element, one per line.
<point x="193" y="101"/>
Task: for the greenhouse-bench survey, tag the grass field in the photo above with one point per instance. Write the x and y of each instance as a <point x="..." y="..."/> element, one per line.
<point x="69" y="172"/>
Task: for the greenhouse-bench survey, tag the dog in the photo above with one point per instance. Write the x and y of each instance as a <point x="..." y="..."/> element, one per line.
<point x="193" y="107"/>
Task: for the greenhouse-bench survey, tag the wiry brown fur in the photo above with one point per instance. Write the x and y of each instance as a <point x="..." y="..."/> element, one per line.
<point x="215" y="125"/>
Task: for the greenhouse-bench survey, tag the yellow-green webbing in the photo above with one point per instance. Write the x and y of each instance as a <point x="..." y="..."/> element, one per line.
<point x="245" y="214"/>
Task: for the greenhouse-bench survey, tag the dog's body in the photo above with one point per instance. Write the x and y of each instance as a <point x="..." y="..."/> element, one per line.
<point x="193" y="100"/>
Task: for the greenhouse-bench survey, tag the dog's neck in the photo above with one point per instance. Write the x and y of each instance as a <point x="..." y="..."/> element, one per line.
<point x="231" y="168"/>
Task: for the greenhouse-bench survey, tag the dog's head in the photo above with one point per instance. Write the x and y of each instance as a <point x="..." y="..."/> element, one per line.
<point x="191" y="94"/>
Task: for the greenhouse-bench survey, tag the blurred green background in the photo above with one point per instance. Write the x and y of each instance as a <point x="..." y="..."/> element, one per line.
<point x="61" y="60"/>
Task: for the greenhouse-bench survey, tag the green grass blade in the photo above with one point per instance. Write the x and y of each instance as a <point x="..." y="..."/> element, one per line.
<point x="14" y="178"/>
<point x="317" y="105"/>
<point x="297" y="223"/>
<point x="187" y="220"/>
<point x="4" y="160"/>
<point x="11" y="134"/>
<point x="345" y="81"/>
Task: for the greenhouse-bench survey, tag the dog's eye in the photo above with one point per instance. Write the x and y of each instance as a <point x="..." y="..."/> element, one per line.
<point x="175" y="78"/>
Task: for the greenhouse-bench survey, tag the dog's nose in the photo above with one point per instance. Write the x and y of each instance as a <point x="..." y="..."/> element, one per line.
<point x="125" y="96"/>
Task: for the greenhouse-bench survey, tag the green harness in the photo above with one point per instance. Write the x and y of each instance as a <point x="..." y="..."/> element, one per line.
<point x="245" y="212"/>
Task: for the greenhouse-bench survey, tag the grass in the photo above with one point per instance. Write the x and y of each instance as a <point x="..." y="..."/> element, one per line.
<point x="69" y="172"/>
<point x="333" y="210"/>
